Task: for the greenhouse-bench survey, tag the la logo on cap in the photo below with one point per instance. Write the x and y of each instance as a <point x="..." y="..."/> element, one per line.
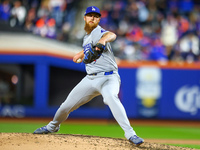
<point x="93" y="9"/>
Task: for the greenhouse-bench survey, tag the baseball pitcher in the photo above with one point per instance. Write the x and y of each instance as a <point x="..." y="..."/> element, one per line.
<point x="102" y="78"/>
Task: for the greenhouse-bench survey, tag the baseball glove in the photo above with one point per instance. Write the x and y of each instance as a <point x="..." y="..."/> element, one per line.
<point x="93" y="54"/>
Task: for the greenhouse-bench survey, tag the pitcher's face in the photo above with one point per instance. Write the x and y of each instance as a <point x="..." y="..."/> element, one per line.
<point x="92" y="20"/>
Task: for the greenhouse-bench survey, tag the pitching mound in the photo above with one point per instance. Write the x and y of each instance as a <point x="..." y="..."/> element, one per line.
<point x="28" y="141"/>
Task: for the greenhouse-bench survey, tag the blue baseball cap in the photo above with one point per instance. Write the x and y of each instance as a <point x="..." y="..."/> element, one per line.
<point x="92" y="9"/>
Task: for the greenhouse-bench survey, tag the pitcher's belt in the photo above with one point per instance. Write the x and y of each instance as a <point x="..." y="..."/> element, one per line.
<point x="101" y="73"/>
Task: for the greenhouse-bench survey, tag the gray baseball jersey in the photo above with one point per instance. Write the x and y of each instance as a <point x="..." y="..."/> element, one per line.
<point x="93" y="85"/>
<point x="107" y="61"/>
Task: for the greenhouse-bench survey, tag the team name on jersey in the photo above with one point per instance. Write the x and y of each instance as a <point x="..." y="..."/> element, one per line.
<point x="87" y="47"/>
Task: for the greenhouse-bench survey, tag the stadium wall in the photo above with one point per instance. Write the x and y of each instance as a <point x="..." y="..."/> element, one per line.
<point x="161" y="90"/>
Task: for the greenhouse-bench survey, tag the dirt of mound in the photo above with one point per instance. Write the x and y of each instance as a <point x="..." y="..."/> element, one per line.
<point x="28" y="141"/>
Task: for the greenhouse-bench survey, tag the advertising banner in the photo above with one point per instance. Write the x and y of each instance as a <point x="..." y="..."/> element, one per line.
<point x="148" y="91"/>
<point x="180" y="94"/>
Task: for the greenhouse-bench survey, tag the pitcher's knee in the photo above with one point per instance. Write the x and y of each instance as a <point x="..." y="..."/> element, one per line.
<point x="110" y="98"/>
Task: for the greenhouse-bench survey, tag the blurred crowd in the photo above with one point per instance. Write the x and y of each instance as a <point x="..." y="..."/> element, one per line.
<point x="46" y="18"/>
<point x="158" y="30"/>
<point x="154" y="29"/>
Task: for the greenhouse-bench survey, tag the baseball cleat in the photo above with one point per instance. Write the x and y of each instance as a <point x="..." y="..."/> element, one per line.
<point x="136" y="140"/>
<point x="43" y="130"/>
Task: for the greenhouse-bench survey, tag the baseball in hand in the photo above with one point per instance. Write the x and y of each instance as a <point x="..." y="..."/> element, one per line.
<point x="79" y="60"/>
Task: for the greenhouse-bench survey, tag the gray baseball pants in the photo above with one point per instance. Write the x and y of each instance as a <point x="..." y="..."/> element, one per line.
<point x="88" y="88"/>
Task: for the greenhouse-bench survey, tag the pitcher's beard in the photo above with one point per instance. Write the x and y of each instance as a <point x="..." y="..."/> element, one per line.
<point x="89" y="27"/>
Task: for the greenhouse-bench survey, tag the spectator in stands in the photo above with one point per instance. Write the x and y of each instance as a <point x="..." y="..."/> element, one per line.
<point x="133" y="52"/>
<point x="51" y="29"/>
<point x="123" y="28"/>
<point x="132" y="12"/>
<point x="169" y="33"/>
<point x="183" y="24"/>
<point x="172" y="6"/>
<point x="175" y="54"/>
<point x="128" y="52"/>
<point x="197" y="26"/>
<point x="43" y="10"/>
<point x="70" y="12"/>
<point x="189" y="47"/>
<point x="194" y="20"/>
<point x="158" y="51"/>
<point x="30" y="20"/>
<point x="153" y="14"/>
<point x="46" y="27"/>
<point x="5" y="10"/>
<point x="135" y="33"/>
<point x="68" y="22"/>
<point x="40" y="27"/>
<point x="143" y="12"/>
<point x="57" y="9"/>
<point x="105" y="14"/>
<point x="145" y="52"/>
<point x="116" y="15"/>
<point x="18" y="14"/>
<point x="186" y="6"/>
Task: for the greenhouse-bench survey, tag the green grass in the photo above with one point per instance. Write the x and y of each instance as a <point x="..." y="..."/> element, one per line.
<point x="186" y="145"/>
<point x="111" y="130"/>
<point x="169" y="132"/>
